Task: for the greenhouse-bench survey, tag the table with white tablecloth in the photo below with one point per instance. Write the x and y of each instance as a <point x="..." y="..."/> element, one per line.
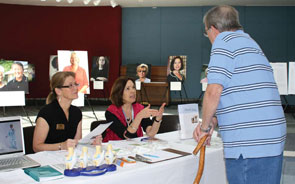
<point x="180" y="170"/>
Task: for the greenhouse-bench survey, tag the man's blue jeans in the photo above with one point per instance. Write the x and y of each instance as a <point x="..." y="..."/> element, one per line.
<point x="266" y="170"/>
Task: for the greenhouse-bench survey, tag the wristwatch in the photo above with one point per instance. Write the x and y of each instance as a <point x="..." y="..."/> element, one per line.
<point x="206" y="130"/>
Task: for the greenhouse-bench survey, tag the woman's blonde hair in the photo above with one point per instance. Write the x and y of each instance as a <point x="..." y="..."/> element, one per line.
<point x="57" y="80"/>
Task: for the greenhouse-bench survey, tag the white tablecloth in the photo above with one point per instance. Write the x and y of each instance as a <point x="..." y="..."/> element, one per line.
<point x="179" y="171"/>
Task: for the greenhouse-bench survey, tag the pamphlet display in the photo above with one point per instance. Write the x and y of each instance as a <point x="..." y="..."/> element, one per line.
<point x="188" y="119"/>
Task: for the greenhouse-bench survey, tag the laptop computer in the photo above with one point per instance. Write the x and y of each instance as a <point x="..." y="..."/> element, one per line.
<point x="12" y="147"/>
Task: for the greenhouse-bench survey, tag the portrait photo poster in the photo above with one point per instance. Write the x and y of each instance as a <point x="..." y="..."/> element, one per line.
<point x="100" y="68"/>
<point x="64" y="63"/>
<point x="204" y="80"/>
<point x="181" y="71"/>
<point x="131" y="70"/>
<point x="10" y="74"/>
<point x="53" y="65"/>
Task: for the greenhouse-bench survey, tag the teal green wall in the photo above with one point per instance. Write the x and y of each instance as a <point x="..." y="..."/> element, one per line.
<point x="151" y="35"/>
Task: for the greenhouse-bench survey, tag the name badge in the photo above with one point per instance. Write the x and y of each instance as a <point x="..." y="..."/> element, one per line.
<point x="60" y="126"/>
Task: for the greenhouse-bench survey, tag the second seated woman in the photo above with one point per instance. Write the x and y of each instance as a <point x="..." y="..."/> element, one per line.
<point x="128" y="116"/>
<point x="59" y="124"/>
<point x="175" y="67"/>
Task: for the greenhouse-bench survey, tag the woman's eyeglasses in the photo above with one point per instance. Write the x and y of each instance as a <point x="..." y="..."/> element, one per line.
<point x="142" y="71"/>
<point x="71" y="86"/>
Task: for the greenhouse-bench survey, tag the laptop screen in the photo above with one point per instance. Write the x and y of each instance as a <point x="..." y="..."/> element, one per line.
<point x="11" y="136"/>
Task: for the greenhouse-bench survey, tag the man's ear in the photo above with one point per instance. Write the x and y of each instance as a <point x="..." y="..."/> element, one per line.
<point x="215" y="30"/>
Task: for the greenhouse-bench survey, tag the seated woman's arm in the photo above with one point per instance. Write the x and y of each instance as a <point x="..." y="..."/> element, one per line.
<point x="118" y="128"/>
<point x="40" y="135"/>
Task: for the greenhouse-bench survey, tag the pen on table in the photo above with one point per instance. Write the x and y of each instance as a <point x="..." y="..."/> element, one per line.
<point x="149" y="155"/>
<point x="144" y="139"/>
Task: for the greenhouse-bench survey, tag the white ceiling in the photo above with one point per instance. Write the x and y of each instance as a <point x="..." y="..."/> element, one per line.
<point x="156" y="3"/>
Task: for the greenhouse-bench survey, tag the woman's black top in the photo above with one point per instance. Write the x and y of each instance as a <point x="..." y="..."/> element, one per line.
<point x="60" y="129"/>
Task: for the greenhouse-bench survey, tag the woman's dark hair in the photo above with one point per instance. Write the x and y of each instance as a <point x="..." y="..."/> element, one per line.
<point x="106" y="60"/>
<point x="117" y="90"/>
<point x="57" y="79"/>
<point x="173" y="61"/>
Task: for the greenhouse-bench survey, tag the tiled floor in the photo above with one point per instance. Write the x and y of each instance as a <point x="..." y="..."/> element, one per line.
<point x="288" y="176"/>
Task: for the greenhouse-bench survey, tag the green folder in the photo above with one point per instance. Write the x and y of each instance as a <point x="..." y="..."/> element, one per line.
<point x="44" y="173"/>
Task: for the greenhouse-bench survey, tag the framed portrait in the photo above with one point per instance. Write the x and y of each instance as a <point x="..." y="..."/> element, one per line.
<point x="100" y="68"/>
<point x="53" y="65"/>
<point x="77" y="62"/>
<point x="14" y="75"/>
<point x="176" y="68"/>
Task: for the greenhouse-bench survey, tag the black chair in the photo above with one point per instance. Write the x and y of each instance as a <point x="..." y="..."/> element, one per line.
<point x="28" y="138"/>
<point x="169" y="123"/>
<point x="94" y="124"/>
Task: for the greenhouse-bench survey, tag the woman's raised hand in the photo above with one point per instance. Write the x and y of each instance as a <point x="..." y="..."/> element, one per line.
<point x="160" y="112"/>
<point x="148" y="112"/>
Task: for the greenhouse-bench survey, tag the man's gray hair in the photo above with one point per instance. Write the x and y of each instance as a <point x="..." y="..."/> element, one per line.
<point x="223" y="18"/>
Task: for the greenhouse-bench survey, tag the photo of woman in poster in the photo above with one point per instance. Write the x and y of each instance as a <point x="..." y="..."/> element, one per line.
<point x="142" y="71"/>
<point x="81" y="76"/>
<point x="100" y="71"/>
<point x="176" y="67"/>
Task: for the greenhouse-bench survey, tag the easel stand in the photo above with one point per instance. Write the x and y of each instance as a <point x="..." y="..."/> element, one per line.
<point x="27" y="115"/>
<point x="180" y="93"/>
<point x="91" y="107"/>
<point x="287" y="104"/>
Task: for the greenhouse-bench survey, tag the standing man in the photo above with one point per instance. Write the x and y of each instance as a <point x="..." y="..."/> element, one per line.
<point x="243" y="94"/>
<point x="20" y="81"/>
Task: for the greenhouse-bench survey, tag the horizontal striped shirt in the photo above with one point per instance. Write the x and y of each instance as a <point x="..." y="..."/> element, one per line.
<point x="250" y="116"/>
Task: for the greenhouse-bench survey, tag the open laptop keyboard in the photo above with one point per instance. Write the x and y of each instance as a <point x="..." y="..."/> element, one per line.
<point x="13" y="161"/>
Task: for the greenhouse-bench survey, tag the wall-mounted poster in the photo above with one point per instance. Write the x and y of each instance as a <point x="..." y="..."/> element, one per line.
<point x="176" y="68"/>
<point x="77" y="62"/>
<point x="14" y="75"/>
<point x="53" y="65"/>
<point x="100" y="68"/>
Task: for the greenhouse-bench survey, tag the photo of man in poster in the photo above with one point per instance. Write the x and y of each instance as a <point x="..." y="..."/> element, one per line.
<point x="19" y="81"/>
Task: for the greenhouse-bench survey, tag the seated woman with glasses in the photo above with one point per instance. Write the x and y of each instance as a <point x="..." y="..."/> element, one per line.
<point x="142" y="71"/>
<point x="59" y="124"/>
<point x="129" y="117"/>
